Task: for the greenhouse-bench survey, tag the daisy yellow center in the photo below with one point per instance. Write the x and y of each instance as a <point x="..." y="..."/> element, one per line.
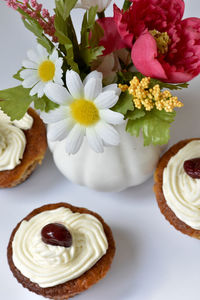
<point x="46" y="70"/>
<point x="84" y="112"/>
<point x="162" y="40"/>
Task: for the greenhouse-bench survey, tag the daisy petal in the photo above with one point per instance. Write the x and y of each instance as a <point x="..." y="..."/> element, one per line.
<point x="34" y="56"/>
<point x="74" y="84"/>
<point x="57" y="78"/>
<point x="111" y="117"/>
<point x="29" y="64"/>
<point x="27" y="72"/>
<point x="37" y="89"/>
<point x="40" y="92"/>
<point x="112" y="87"/>
<point x="93" y="74"/>
<point x="94" y="140"/>
<point x="59" y="130"/>
<point x="106" y="100"/>
<point x="58" y="73"/>
<point x="57" y="93"/>
<point x="58" y="63"/>
<point x="42" y="52"/>
<point x="55" y="115"/>
<point x="92" y="89"/>
<point x="54" y="55"/>
<point x="107" y="133"/>
<point x="30" y="82"/>
<point x="74" y="139"/>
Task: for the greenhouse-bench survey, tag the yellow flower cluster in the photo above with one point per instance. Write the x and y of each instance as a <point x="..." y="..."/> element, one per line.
<point x="146" y="97"/>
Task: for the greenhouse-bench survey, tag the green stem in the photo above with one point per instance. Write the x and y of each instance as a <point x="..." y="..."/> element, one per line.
<point x="101" y="14"/>
<point x="127" y="4"/>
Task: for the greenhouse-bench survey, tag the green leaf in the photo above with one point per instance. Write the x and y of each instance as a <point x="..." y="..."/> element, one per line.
<point x="126" y="5"/>
<point x="125" y="77"/>
<point x="67" y="38"/>
<point x="44" y="104"/>
<point x="87" y="26"/>
<point x="16" y="101"/>
<point x="155" y="126"/>
<point x="84" y="32"/>
<point x="97" y="34"/>
<point x="70" y="59"/>
<point x="134" y="127"/>
<point x="136" y="114"/>
<point x="124" y="104"/>
<point x="91" y="54"/>
<point x="17" y="75"/>
<point x="163" y="115"/>
<point x="37" y="30"/>
<point x="89" y="48"/>
<point x="101" y="14"/>
<point x="61" y="31"/>
<point x="64" y="7"/>
<point x="91" y="16"/>
<point x="170" y="86"/>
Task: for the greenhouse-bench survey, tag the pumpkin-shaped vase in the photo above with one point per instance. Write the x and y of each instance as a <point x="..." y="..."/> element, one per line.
<point x="117" y="168"/>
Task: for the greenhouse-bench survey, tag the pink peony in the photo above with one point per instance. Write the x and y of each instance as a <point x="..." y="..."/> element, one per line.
<point x="111" y="40"/>
<point x="163" y="45"/>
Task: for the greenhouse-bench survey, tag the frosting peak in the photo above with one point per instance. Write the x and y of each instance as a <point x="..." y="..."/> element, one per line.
<point x="25" y="123"/>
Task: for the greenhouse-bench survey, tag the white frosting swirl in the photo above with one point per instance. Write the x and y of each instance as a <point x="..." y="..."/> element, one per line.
<point x="12" y="140"/>
<point x="49" y="265"/>
<point x="182" y="192"/>
<point x="12" y="145"/>
<point x="25" y="123"/>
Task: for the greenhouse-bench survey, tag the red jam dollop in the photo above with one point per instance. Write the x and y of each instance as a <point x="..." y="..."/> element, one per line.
<point x="56" y="234"/>
<point x="192" y="167"/>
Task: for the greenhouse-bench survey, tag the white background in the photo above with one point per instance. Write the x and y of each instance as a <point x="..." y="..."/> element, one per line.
<point x="153" y="261"/>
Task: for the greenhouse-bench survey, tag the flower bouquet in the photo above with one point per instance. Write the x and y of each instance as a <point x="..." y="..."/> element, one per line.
<point x="107" y="97"/>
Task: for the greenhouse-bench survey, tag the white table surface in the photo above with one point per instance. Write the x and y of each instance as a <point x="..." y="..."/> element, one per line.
<point x="153" y="261"/>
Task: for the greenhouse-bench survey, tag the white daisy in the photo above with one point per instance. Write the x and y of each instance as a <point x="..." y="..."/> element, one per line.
<point x="84" y="111"/>
<point x="41" y="69"/>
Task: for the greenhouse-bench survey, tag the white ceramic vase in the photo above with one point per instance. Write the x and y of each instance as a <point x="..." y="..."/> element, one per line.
<point x="118" y="168"/>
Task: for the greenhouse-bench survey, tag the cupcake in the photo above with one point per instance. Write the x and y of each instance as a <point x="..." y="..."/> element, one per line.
<point x="60" y="250"/>
<point x="177" y="186"/>
<point x="22" y="147"/>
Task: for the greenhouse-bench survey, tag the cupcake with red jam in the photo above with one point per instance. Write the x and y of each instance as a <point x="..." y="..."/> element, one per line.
<point x="22" y="147"/>
<point x="177" y="186"/>
<point x="60" y="250"/>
